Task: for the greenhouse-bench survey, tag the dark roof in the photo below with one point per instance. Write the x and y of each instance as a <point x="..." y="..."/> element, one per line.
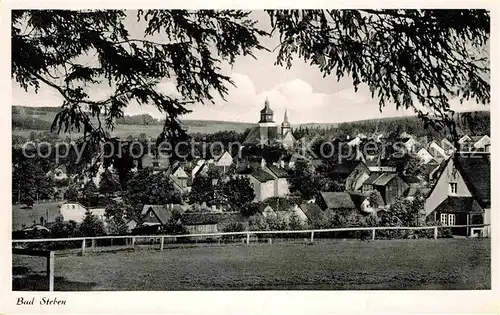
<point x="202" y="218"/>
<point x="278" y="172"/>
<point x="459" y="204"/>
<point x="262" y="176"/>
<point x="373" y="177"/>
<point x="160" y="211"/>
<point x="253" y="136"/>
<point x="358" y="198"/>
<point x="476" y="172"/>
<point x="312" y="211"/>
<point x="338" y="200"/>
<point x="270" y="134"/>
<point x="384" y="179"/>
<point x="345" y="168"/>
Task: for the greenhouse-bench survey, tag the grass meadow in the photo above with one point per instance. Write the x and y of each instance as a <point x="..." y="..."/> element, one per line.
<point x="423" y="264"/>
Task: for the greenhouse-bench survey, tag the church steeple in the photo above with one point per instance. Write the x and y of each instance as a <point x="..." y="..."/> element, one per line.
<point x="266" y="114"/>
<point x="285" y="125"/>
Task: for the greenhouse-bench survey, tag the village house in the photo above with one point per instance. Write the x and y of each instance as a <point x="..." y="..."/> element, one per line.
<point x="447" y="146"/>
<point x="179" y="179"/>
<point x="283" y="208"/>
<point x="368" y="203"/>
<point x="390" y="186"/>
<point x="224" y="161"/>
<point x="159" y="215"/>
<point x="482" y="143"/>
<point x="462" y="193"/>
<point x="425" y="156"/>
<point x="315" y="216"/>
<point x="357" y="177"/>
<point x="280" y="180"/>
<point x="437" y="152"/>
<point x="335" y="201"/>
<point x="208" y="222"/>
<point x="263" y="184"/>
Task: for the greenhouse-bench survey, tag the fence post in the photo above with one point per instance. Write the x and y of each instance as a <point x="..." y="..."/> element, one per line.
<point x="133" y="241"/>
<point x="270" y="240"/>
<point x="435" y="232"/>
<point x="93" y="243"/>
<point x="83" y="246"/>
<point x="248" y="238"/>
<point x="50" y="270"/>
<point x="312" y="237"/>
<point x="373" y="234"/>
<point x="161" y="246"/>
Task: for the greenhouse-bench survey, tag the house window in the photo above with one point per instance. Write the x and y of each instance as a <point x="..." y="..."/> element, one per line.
<point x="73" y="207"/>
<point x="151" y="214"/>
<point x="453" y="188"/>
<point x="448" y="219"/>
<point x="444" y="219"/>
<point x="451" y="219"/>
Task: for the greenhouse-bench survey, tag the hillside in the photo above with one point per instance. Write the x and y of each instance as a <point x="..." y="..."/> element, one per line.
<point x="27" y="119"/>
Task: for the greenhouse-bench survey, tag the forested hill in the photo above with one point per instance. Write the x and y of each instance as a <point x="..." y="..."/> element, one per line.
<point x="40" y="118"/>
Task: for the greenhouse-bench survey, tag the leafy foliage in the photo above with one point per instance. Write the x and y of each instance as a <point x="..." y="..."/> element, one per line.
<point x="109" y="183"/>
<point x="417" y="59"/>
<point x="147" y="187"/>
<point x="51" y="47"/>
<point x="92" y="226"/>
<point x="238" y="191"/>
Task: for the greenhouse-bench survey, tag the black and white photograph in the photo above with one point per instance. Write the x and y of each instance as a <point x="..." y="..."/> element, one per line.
<point x="249" y="150"/>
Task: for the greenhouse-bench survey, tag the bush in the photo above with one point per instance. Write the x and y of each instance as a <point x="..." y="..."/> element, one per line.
<point x="233" y="227"/>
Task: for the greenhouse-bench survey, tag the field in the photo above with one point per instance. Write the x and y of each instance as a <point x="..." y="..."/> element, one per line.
<point x="330" y="265"/>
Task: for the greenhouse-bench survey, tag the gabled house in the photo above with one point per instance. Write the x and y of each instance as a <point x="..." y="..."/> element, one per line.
<point x="368" y="202"/>
<point x="280" y="178"/>
<point x="390" y="186"/>
<point x="358" y="175"/>
<point x="283" y="208"/>
<point x="409" y="143"/>
<point x="447" y="146"/>
<point x="482" y="143"/>
<point x="335" y="201"/>
<point x="464" y="139"/>
<point x="437" y="151"/>
<point x="160" y="214"/>
<point x="425" y="156"/>
<point x="179" y="179"/>
<point x="224" y="161"/>
<point x="462" y="193"/>
<point x="263" y="184"/>
<point x="314" y="214"/>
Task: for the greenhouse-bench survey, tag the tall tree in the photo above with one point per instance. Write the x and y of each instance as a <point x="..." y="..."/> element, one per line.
<point x="147" y="187"/>
<point x="417" y="59"/>
<point x="52" y="47"/>
<point x="238" y="192"/>
<point x="109" y="183"/>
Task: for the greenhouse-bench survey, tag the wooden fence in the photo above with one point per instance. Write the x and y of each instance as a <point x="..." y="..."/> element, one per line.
<point x="40" y="253"/>
<point x="310" y="234"/>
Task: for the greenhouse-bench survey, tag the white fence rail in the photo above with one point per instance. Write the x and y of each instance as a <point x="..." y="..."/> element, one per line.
<point x="310" y="233"/>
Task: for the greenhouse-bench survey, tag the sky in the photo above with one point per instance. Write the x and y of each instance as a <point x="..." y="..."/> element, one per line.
<point x="301" y="90"/>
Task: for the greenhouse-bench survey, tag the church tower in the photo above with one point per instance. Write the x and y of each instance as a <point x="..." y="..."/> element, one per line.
<point x="285" y="125"/>
<point x="266" y="115"/>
